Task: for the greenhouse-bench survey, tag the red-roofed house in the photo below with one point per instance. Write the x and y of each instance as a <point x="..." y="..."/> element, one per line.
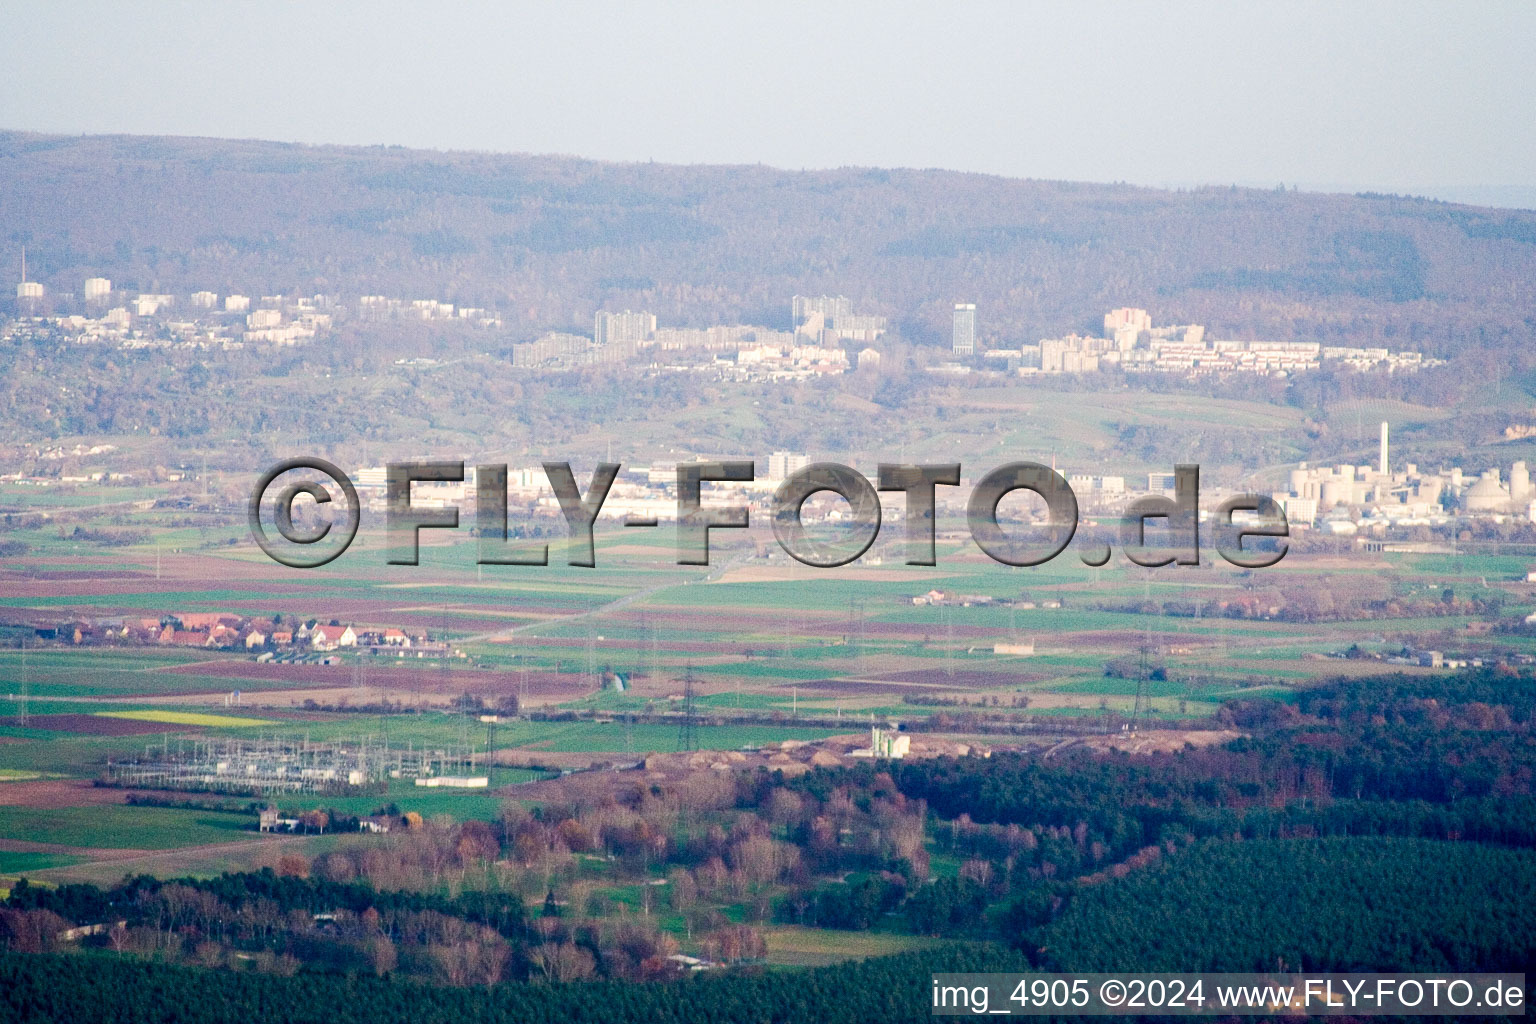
<point x="328" y="638"/>
<point x="183" y="637"/>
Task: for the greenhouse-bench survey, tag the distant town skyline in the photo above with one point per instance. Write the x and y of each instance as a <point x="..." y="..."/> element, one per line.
<point x="1430" y="99"/>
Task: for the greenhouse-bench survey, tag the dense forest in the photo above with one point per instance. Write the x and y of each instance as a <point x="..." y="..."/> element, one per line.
<point x="1436" y="757"/>
<point x="1363" y="904"/>
<point x="1449" y="758"/>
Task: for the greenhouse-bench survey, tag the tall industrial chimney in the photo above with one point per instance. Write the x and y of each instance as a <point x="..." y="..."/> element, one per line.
<point x="1383" y="467"/>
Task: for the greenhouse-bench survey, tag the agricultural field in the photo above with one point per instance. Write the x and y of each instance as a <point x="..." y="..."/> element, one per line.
<point x="770" y="649"/>
<point x="793" y="946"/>
<point x="107" y="826"/>
<point x="188" y="718"/>
<point x="763" y="641"/>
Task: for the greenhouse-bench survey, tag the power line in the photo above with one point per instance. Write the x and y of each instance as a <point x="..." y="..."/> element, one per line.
<point x="687" y="734"/>
<point x="22" y="716"/>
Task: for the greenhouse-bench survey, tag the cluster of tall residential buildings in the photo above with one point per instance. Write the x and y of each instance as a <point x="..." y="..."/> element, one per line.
<point x="624" y="328"/>
<point x="1132" y="343"/>
<point x="827" y="335"/>
<point x="822" y="326"/>
<point x="830" y="320"/>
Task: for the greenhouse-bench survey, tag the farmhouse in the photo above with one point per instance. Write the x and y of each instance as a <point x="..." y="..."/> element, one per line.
<point x="328" y="638"/>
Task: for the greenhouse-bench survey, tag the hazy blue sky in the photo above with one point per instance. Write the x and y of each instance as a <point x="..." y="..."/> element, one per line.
<point x="1398" y="96"/>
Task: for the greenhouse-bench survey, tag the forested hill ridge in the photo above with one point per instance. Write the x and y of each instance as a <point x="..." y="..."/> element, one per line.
<point x="547" y="240"/>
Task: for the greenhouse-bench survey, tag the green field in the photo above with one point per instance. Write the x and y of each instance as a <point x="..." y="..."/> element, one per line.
<point x="116" y="826"/>
<point x="19" y="863"/>
<point x="792" y="946"/>
<point x="461" y="804"/>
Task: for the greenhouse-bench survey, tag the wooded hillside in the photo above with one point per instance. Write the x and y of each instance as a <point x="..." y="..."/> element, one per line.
<point x="547" y="240"/>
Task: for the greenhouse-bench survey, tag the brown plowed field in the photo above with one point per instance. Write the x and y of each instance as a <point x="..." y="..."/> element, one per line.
<point x="96" y="725"/>
<point x="962" y="677"/>
<point x="339" y="675"/>
<point x="409" y="676"/>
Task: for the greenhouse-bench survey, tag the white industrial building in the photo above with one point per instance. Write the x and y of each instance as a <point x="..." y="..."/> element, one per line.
<point x="1376" y="494"/>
